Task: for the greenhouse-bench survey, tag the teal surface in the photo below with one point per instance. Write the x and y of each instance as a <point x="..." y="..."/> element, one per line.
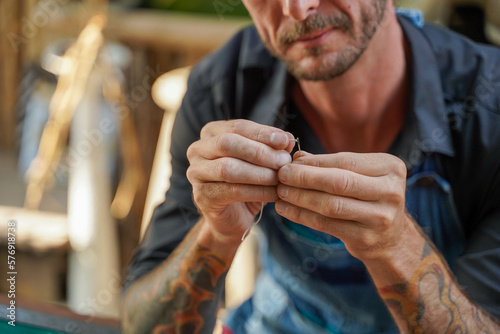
<point x="5" y="328"/>
<point x="220" y="8"/>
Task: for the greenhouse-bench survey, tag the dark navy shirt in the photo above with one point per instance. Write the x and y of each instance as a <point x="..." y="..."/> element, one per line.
<point x="453" y="120"/>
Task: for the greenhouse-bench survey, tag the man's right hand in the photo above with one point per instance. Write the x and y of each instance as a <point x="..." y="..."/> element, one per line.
<point x="233" y="169"/>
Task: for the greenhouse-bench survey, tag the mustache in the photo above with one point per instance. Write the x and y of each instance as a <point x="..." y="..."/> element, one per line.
<point x="311" y="24"/>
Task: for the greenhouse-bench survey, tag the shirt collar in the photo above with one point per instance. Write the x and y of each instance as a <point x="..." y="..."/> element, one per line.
<point x="427" y="110"/>
<point x="426" y="129"/>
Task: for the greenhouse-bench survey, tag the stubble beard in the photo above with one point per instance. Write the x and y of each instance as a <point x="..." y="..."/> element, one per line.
<point x="335" y="64"/>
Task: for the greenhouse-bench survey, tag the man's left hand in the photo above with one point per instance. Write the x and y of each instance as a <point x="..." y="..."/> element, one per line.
<point x="358" y="198"/>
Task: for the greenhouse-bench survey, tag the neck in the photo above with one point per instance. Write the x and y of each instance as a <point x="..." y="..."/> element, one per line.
<point x="363" y="109"/>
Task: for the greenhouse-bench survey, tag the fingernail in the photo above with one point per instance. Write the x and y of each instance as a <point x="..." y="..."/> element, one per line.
<point x="283" y="191"/>
<point x="284" y="174"/>
<point x="283" y="158"/>
<point x="298" y="162"/>
<point x="278" y="138"/>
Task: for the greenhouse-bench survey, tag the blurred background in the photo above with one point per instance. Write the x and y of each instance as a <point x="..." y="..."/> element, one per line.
<point x="88" y="89"/>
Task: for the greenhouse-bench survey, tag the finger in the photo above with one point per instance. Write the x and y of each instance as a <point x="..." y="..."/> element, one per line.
<point x="342" y="229"/>
<point x="221" y="194"/>
<point x="335" y="181"/>
<point x="358" y="238"/>
<point x="370" y="164"/>
<point x="239" y="147"/>
<point x="300" y="154"/>
<point x="331" y="206"/>
<point x="268" y="135"/>
<point x="232" y="170"/>
<point x="291" y="142"/>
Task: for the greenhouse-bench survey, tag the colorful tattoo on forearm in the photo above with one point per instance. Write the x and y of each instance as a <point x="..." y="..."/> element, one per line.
<point x="180" y="296"/>
<point x="191" y="294"/>
<point x="424" y="309"/>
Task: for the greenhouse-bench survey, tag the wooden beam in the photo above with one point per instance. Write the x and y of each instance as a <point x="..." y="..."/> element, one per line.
<point x="157" y="29"/>
<point x="180" y="31"/>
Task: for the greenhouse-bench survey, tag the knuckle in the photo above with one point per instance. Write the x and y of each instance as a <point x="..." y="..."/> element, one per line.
<point x="321" y="223"/>
<point x="367" y="241"/>
<point x="226" y="170"/>
<point x="402" y="170"/>
<point x="223" y="143"/>
<point x="261" y="133"/>
<point x="346" y="183"/>
<point x="335" y="207"/>
<point x="396" y="198"/>
<point x="301" y="175"/>
<point x="346" y="161"/>
<point x="237" y="126"/>
<point x="399" y="167"/>
<point x="384" y="220"/>
<point x="393" y="194"/>
<point x="260" y="154"/>
<point x="191" y="151"/>
<point x="340" y="184"/>
<point x="206" y="130"/>
<point x="352" y="164"/>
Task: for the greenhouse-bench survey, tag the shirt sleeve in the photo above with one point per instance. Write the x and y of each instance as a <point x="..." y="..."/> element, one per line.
<point x="173" y="219"/>
<point x="478" y="270"/>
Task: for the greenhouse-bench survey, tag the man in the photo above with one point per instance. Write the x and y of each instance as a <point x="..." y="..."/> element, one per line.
<point x="359" y="242"/>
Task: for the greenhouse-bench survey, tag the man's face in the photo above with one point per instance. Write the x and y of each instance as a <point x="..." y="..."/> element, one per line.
<point x="317" y="39"/>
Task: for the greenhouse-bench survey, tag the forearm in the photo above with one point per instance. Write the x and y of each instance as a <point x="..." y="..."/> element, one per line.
<point x="423" y="296"/>
<point x="181" y="295"/>
<point x="360" y="199"/>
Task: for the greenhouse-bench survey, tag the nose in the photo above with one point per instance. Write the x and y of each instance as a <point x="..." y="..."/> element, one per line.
<point x="299" y="10"/>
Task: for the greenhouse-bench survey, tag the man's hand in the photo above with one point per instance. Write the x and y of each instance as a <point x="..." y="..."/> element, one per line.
<point x="358" y="198"/>
<point x="233" y="168"/>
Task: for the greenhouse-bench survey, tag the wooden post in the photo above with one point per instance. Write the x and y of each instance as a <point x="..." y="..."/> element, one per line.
<point x="11" y="45"/>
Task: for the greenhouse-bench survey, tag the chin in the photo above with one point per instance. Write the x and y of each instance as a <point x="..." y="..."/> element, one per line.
<point x="316" y="68"/>
<point x="319" y="65"/>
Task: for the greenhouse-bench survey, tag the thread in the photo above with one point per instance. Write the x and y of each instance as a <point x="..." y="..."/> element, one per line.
<point x="297" y="140"/>
<point x="255" y="223"/>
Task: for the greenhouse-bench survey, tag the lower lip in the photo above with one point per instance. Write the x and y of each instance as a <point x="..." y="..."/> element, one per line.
<point x="315" y="41"/>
